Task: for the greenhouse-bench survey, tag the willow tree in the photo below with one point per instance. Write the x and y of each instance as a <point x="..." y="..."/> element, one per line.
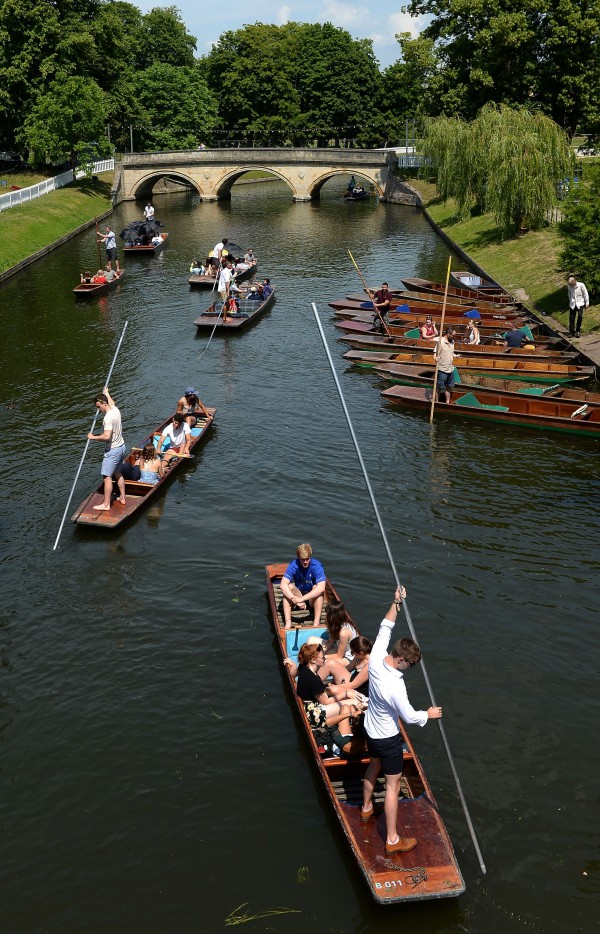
<point x="507" y="161"/>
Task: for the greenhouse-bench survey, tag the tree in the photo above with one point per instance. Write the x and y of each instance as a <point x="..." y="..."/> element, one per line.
<point x="507" y="161"/>
<point x="580" y="229"/>
<point x="165" y="39"/>
<point x="176" y="105"/>
<point x="518" y="53"/>
<point x="65" y="120"/>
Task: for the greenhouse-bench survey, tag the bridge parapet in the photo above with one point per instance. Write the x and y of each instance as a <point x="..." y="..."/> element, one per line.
<point x="212" y="172"/>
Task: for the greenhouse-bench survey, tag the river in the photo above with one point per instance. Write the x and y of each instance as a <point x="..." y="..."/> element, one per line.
<point x="153" y="774"/>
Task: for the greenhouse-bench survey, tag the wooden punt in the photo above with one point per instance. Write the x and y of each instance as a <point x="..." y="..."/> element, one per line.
<point x="457" y="314"/>
<point x="489" y="336"/>
<point x="433" y="301"/>
<point x="505" y="367"/>
<point x="485" y="351"/>
<point x="148" y="249"/>
<point x="464" y="279"/>
<point x="137" y="494"/>
<point x="404" y="375"/>
<point x="524" y="411"/>
<point x="90" y="289"/>
<point x="426" y="285"/>
<point x="208" y="281"/>
<point x="248" y="313"/>
<point x="431" y="870"/>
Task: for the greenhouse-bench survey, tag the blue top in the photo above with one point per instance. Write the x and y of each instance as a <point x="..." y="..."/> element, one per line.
<point x="514" y="338"/>
<point x="305" y="578"/>
<point x="149" y="476"/>
<point x="267" y="291"/>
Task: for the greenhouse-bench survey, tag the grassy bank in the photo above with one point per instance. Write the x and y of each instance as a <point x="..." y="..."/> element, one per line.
<point x="31" y="227"/>
<point x="527" y="266"/>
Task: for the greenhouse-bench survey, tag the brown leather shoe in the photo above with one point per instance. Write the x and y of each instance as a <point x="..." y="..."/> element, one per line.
<point x="374" y="811"/>
<point x="402" y="845"/>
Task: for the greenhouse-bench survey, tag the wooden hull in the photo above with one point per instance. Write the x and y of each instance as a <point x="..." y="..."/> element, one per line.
<point x="149" y="249"/>
<point x="137" y="494"/>
<point x="403" y="375"/>
<point x="247" y="314"/>
<point x="412" y="295"/>
<point x="474" y="283"/>
<point x="522" y="411"/>
<point x="376" y="342"/>
<point x="453" y="315"/>
<point x="431" y="870"/>
<point x="364" y="196"/>
<point x="207" y="282"/>
<point x="526" y="370"/>
<point x="492" y="337"/>
<point x="91" y="289"/>
<point x="426" y="285"/>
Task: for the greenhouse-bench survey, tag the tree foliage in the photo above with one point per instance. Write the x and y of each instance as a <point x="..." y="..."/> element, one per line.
<point x="177" y="107"/>
<point x="507" y="161"/>
<point x="580" y="228"/>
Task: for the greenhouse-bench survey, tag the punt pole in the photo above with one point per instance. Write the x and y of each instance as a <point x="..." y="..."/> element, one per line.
<point x="404" y="603"/>
<point x="87" y="443"/>
<point x="370" y="294"/>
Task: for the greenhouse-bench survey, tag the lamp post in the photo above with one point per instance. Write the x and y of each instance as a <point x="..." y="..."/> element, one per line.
<point x="131" y="136"/>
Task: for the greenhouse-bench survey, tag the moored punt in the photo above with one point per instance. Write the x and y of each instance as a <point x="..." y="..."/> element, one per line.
<point x="463" y="279"/>
<point x="489" y="335"/>
<point x="431" y="871"/>
<point x="515" y="409"/>
<point x="426" y="285"/>
<point x="456" y="313"/>
<point x="146" y="248"/>
<point x="405" y="375"/>
<point x="208" y="281"/>
<point x="484" y="351"/>
<point x="433" y="299"/>
<point x="137" y="494"/>
<point x="89" y="289"/>
<point x="505" y="367"/>
<point x="249" y="312"/>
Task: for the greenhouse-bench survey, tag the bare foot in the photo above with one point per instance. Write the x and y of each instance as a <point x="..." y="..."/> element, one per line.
<point x="122" y="501"/>
<point x="102" y="508"/>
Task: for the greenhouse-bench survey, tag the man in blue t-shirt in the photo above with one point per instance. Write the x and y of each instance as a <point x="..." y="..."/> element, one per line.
<point x="303" y="585"/>
<point x="515" y="338"/>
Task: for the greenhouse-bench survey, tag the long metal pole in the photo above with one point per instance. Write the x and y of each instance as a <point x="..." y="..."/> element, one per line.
<point x="87" y="443"/>
<point x="397" y="580"/>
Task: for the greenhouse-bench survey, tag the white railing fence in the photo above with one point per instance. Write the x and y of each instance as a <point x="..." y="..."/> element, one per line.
<point x="23" y="195"/>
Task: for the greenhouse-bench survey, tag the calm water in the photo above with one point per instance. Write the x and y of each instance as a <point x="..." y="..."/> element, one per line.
<point x="153" y="775"/>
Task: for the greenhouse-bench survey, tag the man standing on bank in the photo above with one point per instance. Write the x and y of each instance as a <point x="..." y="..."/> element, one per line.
<point x="388" y="700"/>
<point x="578" y="300"/>
<point x="114" y="450"/>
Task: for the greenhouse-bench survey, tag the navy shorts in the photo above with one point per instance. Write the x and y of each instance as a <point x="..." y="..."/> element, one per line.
<point x="389" y="750"/>
<point x="445" y="381"/>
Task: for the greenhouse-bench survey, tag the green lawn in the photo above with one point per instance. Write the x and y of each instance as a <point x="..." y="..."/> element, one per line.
<point x="31" y="227"/>
<point x="527" y="266"/>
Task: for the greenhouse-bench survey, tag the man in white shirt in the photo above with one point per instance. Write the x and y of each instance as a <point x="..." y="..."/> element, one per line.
<point x="114" y="448"/>
<point x="149" y="212"/>
<point x="578" y="300"/>
<point x="179" y="436"/>
<point x="388" y="700"/>
<point x="224" y="281"/>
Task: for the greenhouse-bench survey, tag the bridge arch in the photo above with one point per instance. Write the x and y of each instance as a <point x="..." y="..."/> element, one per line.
<point x="318" y="183"/>
<point x="143" y="187"/>
<point x="224" y="186"/>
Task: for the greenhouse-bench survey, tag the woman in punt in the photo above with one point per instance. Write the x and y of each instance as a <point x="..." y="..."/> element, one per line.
<point x="150" y="464"/>
<point x="340" y="631"/>
<point x="322" y="703"/>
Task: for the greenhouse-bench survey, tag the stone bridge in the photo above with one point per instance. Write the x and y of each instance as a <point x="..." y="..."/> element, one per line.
<point x="212" y="172"/>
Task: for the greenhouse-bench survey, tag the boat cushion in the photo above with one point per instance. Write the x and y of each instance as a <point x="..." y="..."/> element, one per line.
<point x="471" y="313"/>
<point x="533" y="391"/>
<point x="403" y="308"/>
<point x="414" y="332"/>
<point x="297" y="637"/>
<point x="470" y="399"/>
<point x="457" y="378"/>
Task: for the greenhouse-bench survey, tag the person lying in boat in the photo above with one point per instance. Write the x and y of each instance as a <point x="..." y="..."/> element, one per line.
<point x="240" y="266"/>
<point x="320" y="706"/>
<point x="303" y="585"/>
<point x="178" y="437"/>
<point x="191" y="406"/>
<point x="429" y="331"/>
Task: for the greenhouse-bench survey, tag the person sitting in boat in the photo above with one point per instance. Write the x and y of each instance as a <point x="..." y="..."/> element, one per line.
<point x="249" y="257"/>
<point x="472" y="337"/>
<point x="86" y="277"/>
<point x="191" y="406"/>
<point x="514" y="339"/>
<point x="156" y="240"/>
<point x="110" y="274"/>
<point x="340" y="632"/>
<point x="358" y="191"/>
<point x="150" y="465"/>
<point x="196" y="269"/>
<point x="303" y="585"/>
<point x="348" y="736"/>
<point x="266" y="287"/>
<point x="429" y="331"/>
<point x="178" y="436"/>
<point x="358" y="669"/>
<point x="320" y="707"/>
<point x="382" y="301"/>
<point x="100" y="276"/>
<point x="255" y="293"/>
<point x="240" y="266"/>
